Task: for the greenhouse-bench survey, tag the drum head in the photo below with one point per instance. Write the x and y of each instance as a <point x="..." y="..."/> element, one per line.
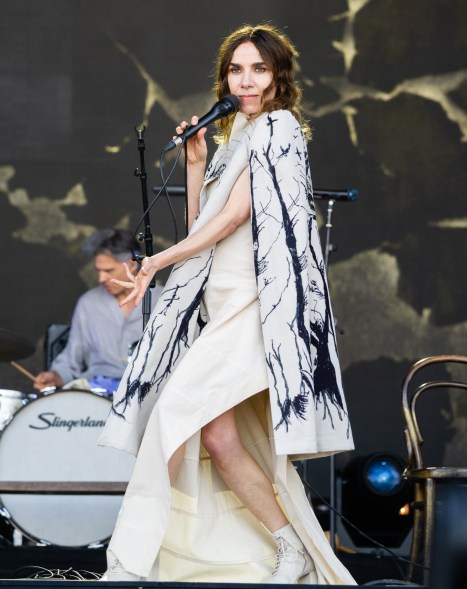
<point x="54" y="438"/>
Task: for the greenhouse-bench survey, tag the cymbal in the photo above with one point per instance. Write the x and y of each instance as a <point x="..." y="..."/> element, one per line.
<point x="14" y="346"/>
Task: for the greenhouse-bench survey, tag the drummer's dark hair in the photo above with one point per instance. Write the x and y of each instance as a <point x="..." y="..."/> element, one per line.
<point x="118" y="243"/>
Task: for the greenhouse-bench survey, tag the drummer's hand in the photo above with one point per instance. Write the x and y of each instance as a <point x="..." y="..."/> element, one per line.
<point x="49" y="378"/>
<point x="138" y="283"/>
<point x="196" y="148"/>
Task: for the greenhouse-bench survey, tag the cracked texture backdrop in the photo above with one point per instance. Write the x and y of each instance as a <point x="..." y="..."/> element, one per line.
<point x="385" y="85"/>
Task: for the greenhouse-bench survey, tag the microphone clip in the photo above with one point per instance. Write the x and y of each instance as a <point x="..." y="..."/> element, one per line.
<point x="140" y="131"/>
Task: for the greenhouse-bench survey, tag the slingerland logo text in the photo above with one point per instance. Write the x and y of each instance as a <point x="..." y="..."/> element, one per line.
<point x="48" y="420"/>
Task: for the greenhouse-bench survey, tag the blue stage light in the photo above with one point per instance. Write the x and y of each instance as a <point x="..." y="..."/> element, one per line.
<point x="383" y="475"/>
<point x="376" y="498"/>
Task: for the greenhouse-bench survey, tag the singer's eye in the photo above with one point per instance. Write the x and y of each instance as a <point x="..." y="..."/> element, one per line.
<point x="234" y="70"/>
<point x="260" y="68"/>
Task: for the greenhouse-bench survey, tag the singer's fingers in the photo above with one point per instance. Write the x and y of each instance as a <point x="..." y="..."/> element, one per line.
<point x="132" y="296"/>
<point x="194" y="120"/>
<point x="129" y="298"/>
<point x="123" y="283"/>
<point x="128" y="272"/>
<point x="138" y="293"/>
<point x="139" y="298"/>
<point x="140" y="285"/>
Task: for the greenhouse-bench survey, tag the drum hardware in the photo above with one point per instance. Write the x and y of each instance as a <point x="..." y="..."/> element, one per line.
<point x="6" y="529"/>
<point x="14" y="346"/>
<point x="10" y="403"/>
<point x="61" y="488"/>
<point x="48" y="390"/>
<point x="94" y="390"/>
<point x="58" y="486"/>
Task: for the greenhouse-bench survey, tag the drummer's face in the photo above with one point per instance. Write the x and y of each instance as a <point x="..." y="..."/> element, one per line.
<point x="108" y="267"/>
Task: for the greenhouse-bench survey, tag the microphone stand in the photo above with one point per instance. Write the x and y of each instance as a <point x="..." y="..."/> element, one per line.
<point x="328" y="249"/>
<point x="331" y="196"/>
<point x="147" y="235"/>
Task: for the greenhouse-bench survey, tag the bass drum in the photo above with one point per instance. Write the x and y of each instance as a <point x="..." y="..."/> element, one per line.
<point x="10" y="402"/>
<point x="54" y="438"/>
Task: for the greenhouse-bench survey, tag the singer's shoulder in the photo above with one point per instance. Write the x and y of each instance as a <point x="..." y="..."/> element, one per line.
<point x="277" y="122"/>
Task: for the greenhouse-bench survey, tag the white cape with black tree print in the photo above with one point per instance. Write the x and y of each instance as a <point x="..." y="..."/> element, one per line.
<point x="307" y="403"/>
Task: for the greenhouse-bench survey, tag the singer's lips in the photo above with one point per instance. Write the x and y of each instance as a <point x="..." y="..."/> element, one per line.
<point x="249" y="96"/>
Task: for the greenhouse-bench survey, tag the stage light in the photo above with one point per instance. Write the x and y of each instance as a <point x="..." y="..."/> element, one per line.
<point x="374" y="496"/>
<point x="405" y="509"/>
<point x="383" y="475"/>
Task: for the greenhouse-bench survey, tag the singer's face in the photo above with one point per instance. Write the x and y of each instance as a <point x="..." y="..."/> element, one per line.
<point x="248" y="78"/>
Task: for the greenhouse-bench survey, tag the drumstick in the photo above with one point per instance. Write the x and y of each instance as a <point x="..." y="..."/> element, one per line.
<point x="24" y="371"/>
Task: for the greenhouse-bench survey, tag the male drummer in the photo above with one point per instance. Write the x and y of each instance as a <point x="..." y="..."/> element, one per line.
<point x="102" y="332"/>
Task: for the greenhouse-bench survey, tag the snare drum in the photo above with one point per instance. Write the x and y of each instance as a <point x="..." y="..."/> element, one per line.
<point x="54" y="438"/>
<point x="10" y="402"/>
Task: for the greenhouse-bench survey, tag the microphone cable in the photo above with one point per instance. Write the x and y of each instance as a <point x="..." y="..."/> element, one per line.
<point x="357" y="529"/>
<point x="163" y="189"/>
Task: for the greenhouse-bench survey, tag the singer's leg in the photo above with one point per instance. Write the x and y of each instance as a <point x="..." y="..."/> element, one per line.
<point x="247" y="480"/>
<point x="241" y="472"/>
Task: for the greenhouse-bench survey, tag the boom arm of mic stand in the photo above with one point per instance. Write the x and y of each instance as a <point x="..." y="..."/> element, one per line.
<point x="346" y="194"/>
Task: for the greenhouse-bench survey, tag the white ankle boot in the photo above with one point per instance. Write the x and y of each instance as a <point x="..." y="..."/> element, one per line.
<point x="116" y="572"/>
<point x="292" y="560"/>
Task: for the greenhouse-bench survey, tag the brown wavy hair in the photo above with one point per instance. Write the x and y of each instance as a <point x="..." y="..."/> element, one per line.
<point x="279" y="55"/>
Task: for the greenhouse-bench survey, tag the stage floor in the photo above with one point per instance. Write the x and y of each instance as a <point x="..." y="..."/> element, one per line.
<point x="25" y="561"/>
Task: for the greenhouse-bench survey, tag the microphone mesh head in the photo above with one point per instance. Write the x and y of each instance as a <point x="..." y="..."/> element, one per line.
<point x="233" y="100"/>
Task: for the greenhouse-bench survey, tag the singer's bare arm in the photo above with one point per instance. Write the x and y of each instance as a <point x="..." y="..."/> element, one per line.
<point x="195" y="180"/>
<point x="235" y="212"/>
<point x="196" y="152"/>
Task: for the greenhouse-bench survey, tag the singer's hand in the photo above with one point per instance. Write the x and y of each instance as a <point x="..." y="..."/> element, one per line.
<point x="138" y="283"/>
<point x="196" y="148"/>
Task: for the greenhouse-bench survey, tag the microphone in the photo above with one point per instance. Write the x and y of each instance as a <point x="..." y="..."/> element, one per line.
<point x="345" y="195"/>
<point x="228" y="105"/>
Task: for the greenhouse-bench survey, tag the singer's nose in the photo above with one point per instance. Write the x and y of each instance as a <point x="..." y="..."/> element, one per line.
<point x="246" y="81"/>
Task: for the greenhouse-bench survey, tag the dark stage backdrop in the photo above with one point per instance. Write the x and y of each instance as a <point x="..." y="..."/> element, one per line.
<point x="385" y="84"/>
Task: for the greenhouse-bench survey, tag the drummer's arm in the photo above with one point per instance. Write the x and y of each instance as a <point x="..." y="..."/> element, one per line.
<point x="48" y="378"/>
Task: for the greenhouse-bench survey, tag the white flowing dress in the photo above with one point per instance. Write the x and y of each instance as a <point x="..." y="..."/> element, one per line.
<point x="199" y="530"/>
